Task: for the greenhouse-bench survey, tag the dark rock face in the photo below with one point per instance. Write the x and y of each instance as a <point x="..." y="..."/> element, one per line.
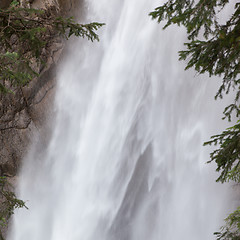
<point x="22" y="115"/>
<point x="66" y="7"/>
<point x="26" y="112"/>
<point x="21" y="121"/>
<point x="5" y="3"/>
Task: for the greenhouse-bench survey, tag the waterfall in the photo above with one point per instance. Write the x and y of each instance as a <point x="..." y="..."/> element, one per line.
<point x="125" y="160"/>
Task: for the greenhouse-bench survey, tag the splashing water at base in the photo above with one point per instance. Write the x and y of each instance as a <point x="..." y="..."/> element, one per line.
<point x="125" y="160"/>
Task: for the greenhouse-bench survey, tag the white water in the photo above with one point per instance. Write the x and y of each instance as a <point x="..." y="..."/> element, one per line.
<point x="125" y="161"/>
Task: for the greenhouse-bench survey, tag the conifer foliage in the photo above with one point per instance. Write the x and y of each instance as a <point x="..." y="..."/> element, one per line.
<point x="213" y="47"/>
<point x="24" y="32"/>
<point x="9" y="202"/>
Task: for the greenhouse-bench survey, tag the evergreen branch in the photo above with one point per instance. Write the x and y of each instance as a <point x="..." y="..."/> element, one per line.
<point x="32" y="29"/>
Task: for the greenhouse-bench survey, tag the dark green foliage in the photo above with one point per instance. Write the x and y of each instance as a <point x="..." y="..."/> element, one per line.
<point x="24" y="32"/>
<point x="68" y="27"/>
<point x="232" y="229"/>
<point x="213" y="48"/>
<point x="227" y="155"/>
<point x="15" y="71"/>
<point x="8" y="203"/>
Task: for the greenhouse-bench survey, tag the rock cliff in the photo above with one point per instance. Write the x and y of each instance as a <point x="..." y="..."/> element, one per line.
<point x="24" y="113"/>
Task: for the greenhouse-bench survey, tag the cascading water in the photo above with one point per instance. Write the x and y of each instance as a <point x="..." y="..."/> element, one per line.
<point x="125" y="160"/>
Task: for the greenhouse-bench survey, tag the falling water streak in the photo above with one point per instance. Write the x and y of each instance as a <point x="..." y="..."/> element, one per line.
<point x="125" y="160"/>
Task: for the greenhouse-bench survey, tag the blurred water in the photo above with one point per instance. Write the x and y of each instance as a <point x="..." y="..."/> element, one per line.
<point x="125" y="160"/>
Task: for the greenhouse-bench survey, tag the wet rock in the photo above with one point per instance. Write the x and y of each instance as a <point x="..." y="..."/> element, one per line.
<point x="26" y="112"/>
